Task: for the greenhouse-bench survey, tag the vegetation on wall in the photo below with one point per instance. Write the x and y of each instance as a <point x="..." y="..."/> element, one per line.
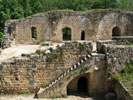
<point x="126" y="76"/>
<point x="15" y="9"/>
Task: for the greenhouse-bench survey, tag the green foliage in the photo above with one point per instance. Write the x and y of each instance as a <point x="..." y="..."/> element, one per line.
<point x="56" y="55"/>
<point x="66" y="33"/>
<point x="104" y="4"/>
<point x="15" y="9"/>
<point x="126" y="76"/>
<point x="81" y="47"/>
<point x="129" y="43"/>
<point x="34" y="33"/>
<point x="125" y="4"/>
<point x="44" y="85"/>
<point x="85" y="69"/>
<point x="128" y="68"/>
<point x="1" y="34"/>
<point x="39" y="52"/>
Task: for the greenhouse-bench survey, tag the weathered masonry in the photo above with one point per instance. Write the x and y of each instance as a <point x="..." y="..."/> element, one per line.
<point x="73" y="67"/>
<point x="60" y="26"/>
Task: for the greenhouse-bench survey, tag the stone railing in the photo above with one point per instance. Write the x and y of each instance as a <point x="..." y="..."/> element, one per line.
<point x="122" y="92"/>
<point x="43" y="91"/>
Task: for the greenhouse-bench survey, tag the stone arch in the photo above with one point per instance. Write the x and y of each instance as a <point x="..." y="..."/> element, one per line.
<point x="116" y="31"/>
<point x="79" y="85"/>
<point x="82" y="85"/>
<point x="34" y="32"/>
<point x="66" y="34"/>
<point x="82" y="35"/>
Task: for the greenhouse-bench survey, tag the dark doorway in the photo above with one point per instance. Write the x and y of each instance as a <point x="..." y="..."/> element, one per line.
<point x="116" y="31"/>
<point x="34" y="32"/>
<point x="66" y="33"/>
<point x="83" y="85"/>
<point x="82" y="35"/>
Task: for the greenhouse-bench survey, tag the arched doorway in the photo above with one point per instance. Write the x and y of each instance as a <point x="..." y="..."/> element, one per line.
<point x="82" y="86"/>
<point x="116" y="31"/>
<point x="82" y="35"/>
<point x="66" y="32"/>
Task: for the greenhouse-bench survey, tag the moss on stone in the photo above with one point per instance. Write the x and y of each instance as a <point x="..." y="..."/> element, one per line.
<point x="81" y="47"/>
<point x="44" y="85"/>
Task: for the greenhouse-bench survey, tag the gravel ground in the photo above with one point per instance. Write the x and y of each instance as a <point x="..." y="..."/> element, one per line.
<point x="30" y="97"/>
<point x="16" y="51"/>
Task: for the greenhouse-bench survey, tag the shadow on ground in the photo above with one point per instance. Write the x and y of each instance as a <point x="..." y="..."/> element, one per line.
<point x="84" y="95"/>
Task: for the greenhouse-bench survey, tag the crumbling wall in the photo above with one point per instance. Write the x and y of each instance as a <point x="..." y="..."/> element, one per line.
<point x="29" y="73"/>
<point x="118" y="52"/>
<point x="97" y="24"/>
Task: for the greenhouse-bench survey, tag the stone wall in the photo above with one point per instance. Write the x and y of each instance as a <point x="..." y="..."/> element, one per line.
<point x="27" y="74"/>
<point x="93" y="68"/>
<point x="96" y="77"/>
<point x="118" y="53"/>
<point x="123" y="40"/>
<point x="122" y="92"/>
<point x="97" y="24"/>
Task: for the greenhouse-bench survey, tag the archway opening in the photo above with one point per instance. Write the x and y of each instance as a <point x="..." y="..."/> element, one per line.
<point x="34" y="32"/>
<point x="66" y="34"/>
<point x="82" y="35"/>
<point x="116" y="31"/>
<point x="82" y="86"/>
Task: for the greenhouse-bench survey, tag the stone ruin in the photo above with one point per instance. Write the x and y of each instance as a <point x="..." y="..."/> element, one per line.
<point x="54" y="26"/>
<point x="73" y="67"/>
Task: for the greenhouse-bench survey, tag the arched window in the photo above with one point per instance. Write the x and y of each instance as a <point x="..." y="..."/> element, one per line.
<point x="66" y="33"/>
<point x="82" y="35"/>
<point x="34" y="32"/>
<point x="116" y="31"/>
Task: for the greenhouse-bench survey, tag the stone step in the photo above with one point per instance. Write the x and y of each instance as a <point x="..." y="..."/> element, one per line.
<point x="43" y="90"/>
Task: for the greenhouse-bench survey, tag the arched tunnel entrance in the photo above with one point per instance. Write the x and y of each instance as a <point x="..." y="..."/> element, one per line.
<point x="79" y="85"/>
<point x="82" y="85"/>
<point x="116" y="31"/>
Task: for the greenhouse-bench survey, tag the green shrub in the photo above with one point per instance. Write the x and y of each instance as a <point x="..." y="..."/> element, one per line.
<point x="44" y="85"/>
<point x="81" y="47"/>
<point x="1" y="36"/>
<point x="85" y="69"/>
<point x="39" y="52"/>
<point x="126" y="76"/>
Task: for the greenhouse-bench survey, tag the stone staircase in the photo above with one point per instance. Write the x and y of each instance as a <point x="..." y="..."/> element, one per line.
<point x="43" y="91"/>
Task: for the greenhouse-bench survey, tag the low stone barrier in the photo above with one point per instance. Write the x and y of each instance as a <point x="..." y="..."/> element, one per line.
<point x="122" y="92"/>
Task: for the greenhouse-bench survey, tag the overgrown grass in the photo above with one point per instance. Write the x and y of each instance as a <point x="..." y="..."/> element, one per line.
<point x="130" y="43"/>
<point x="126" y="77"/>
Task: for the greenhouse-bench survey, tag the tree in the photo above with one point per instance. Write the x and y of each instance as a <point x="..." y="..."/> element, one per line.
<point x="103" y="4"/>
